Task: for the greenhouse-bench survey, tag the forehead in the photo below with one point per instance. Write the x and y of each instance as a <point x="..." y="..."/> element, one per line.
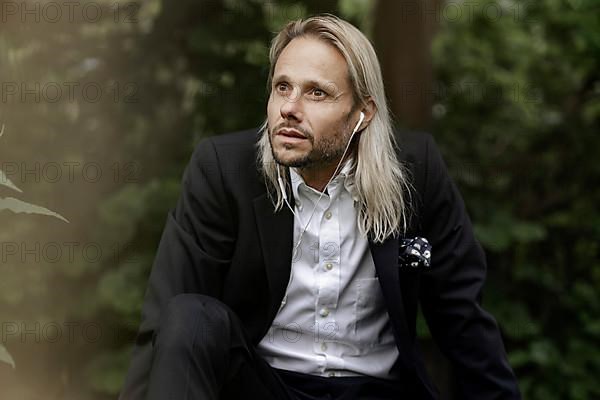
<point x="308" y="59"/>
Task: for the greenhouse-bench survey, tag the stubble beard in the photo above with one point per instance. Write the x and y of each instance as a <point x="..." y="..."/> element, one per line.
<point x="325" y="152"/>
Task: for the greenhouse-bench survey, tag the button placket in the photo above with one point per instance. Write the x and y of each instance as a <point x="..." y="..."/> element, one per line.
<point x="329" y="257"/>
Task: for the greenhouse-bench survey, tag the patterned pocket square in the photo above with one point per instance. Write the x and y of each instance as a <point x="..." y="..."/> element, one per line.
<point x="414" y="253"/>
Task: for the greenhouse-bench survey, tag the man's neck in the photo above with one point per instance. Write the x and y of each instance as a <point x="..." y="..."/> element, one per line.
<point x="318" y="177"/>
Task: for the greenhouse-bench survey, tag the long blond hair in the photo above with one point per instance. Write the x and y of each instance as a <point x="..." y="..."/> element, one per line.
<point x="382" y="182"/>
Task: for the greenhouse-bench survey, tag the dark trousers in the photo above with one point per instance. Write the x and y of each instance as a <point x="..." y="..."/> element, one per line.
<point x="201" y="352"/>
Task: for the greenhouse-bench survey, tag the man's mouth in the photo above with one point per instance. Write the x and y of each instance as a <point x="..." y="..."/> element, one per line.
<point x="291" y="133"/>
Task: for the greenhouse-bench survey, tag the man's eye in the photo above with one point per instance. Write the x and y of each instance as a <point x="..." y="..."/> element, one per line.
<point x="282" y="87"/>
<point x="318" y="93"/>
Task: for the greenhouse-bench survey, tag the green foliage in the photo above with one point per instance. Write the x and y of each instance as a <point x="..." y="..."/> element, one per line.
<point x="107" y="371"/>
<point x="519" y="127"/>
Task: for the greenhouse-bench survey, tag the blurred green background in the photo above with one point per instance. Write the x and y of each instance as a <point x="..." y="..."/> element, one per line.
<point x="102" y="103"/>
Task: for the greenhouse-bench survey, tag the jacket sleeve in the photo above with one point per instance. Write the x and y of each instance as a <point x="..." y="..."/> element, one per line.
<point x="193" y="256"/>
<point x="450" y="292"/>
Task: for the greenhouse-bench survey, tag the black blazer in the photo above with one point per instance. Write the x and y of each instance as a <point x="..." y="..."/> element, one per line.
<point x="224" y="239"/>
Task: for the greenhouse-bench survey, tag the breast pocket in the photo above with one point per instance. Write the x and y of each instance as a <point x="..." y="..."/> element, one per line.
<point x="372" y="325"/>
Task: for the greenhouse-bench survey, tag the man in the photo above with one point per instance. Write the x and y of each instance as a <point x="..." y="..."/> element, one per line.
<point x="294" y="261"/>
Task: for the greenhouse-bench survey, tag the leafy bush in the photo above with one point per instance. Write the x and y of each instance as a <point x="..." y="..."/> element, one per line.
<point x="517" y="114"/>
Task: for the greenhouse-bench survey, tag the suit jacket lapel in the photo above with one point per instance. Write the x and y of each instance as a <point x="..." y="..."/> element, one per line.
<point x="385" y="257"/>
<point x="275" y="231"/>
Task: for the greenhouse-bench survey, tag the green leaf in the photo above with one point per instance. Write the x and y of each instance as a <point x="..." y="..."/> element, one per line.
<point x="5" y="356"/>
<point x="21" y="207"/>
<point x="5" y="181"/>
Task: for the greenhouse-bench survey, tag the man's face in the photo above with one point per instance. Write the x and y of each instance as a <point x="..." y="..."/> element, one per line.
<point x="309" y="109"/>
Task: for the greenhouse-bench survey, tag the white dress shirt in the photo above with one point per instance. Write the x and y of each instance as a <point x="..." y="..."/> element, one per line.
<point x="333" y="320"/>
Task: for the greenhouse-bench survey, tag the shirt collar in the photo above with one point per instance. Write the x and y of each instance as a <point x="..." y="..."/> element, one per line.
<point x="346" y="174"/>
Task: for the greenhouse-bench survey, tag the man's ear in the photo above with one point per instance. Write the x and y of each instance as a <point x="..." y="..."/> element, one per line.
<point x="369" y="109"/>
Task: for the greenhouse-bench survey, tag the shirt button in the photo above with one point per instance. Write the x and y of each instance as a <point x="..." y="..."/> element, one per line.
<point x="324" y="312"/>
<point x="324" y="346"/>
<point x="329" y="266"/>
<point x="328" y="215"/>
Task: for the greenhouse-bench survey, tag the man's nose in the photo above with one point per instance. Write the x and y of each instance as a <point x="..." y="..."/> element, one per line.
<point x="291" y="107"/>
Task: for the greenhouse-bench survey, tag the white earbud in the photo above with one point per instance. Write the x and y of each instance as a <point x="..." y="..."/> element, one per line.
<point x="360" y="120"/>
